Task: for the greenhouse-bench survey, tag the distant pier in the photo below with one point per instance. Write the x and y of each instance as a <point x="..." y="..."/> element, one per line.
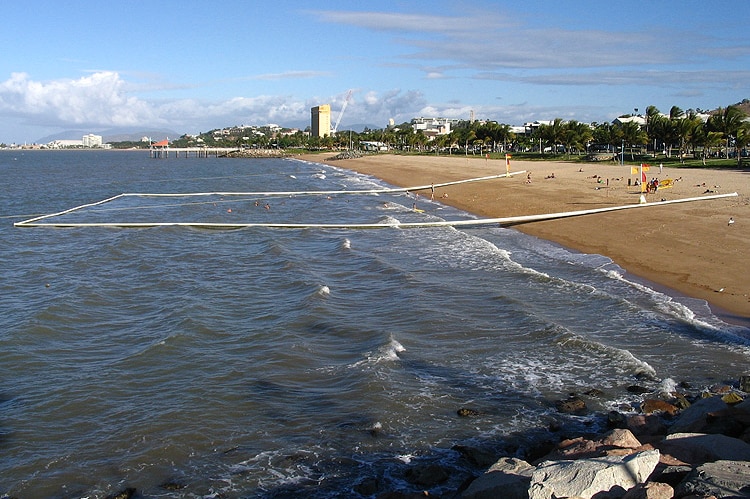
<point x="187" y="152"/>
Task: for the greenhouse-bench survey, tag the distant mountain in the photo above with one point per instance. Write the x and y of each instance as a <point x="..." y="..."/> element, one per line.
<point x="112" y="135"/>
<point x="359" y="127"/>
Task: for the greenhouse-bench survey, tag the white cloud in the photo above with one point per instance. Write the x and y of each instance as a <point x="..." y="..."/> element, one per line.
<point x="104" y="99"/>
<point x="95" y="99"/>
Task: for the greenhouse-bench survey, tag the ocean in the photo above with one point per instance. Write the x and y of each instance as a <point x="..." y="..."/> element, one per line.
<point x="184" y="361"/>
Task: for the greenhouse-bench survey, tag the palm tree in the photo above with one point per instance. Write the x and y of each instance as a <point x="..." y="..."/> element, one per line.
<point x="552" y="134"/>
<point x="633" y="135"/>
<point x="742" y="140"/>
<point x="577" y="135"/>
<point x="605" y="133"/>
<point x="712" y="140"/>
<point x="729" y="121"/>
<point x="659" y="131"/>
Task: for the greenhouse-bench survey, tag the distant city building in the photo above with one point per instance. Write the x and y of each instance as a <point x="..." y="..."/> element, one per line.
<point x="530" y="127"/>
<point x="92" y="140"/>
<point x="373" y="146"/>
<point x="320" y="120"/>
<point x="432" y="127"/>
<point x="65" y="144"/>
<point x="639" y="120"/>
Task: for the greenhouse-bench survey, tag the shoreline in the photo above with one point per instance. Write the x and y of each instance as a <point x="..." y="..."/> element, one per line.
<point x="688" y="249"/>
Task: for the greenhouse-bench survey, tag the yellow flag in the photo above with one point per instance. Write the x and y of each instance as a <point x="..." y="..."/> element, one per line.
<point x="646" y="167"/>
<point x="634" y="170"/>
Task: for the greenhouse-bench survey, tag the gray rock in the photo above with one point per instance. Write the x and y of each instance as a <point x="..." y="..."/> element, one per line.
<point x="508" y="478"/>
<point x="698" y="448"/>
<point x="587" y="477"/>
<point x="720" y="478"/>
<point x="694" y="419"/>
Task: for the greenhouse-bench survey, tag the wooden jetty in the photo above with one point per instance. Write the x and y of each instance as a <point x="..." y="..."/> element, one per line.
<point x="187" y="152"/>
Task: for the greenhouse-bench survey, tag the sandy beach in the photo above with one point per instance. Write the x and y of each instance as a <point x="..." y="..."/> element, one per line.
<point x="690" y="248"/>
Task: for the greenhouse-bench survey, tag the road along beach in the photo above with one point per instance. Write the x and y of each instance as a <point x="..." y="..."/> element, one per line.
<point x="689" y="248"/>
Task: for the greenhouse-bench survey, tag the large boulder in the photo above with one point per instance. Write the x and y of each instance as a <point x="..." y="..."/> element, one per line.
<point x="720" y="479"/>
<point x="508" y="478"/>
<point x="698" y="448"/>
<point x="617" y="441"/>
<point x="695" y="418"/>
<point x="587" y="477"/>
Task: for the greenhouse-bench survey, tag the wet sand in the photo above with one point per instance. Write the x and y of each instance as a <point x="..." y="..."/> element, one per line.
<point x="690" y="248"/>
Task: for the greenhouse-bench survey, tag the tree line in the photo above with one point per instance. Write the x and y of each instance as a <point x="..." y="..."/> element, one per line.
<point x="726" y="133"/>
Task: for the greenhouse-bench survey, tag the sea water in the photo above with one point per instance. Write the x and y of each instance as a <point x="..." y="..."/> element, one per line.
<point x="188" y="362"/>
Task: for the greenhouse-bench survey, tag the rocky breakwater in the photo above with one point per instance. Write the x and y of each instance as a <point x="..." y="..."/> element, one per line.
<point x="348" y="154"/>
<point x="257" y="153"/>
<point x="671" y="445"/>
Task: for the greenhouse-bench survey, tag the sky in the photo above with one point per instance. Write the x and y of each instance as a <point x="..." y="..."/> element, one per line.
<point x="193" y="66"/>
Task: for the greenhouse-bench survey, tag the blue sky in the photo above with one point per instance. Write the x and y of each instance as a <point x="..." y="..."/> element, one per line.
<point x="192" y="66"/>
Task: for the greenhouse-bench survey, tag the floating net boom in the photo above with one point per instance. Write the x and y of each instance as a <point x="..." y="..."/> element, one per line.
<point x="213" y="198"/>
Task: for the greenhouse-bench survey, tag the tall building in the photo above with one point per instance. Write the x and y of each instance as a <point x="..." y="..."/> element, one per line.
<point x="92" y="140"/>
<point x="320" y="124"/>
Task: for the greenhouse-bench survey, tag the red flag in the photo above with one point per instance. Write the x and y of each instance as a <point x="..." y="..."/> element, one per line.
<point x="643" y="177"/>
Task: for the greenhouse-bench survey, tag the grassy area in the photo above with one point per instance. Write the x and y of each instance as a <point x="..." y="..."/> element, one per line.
<point x="672" y="162"/>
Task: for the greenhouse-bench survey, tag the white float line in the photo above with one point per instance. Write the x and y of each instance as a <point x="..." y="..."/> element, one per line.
<point x="324" y="193"/>
<point x="399" y="225"/>
<point x="31" y="222"/>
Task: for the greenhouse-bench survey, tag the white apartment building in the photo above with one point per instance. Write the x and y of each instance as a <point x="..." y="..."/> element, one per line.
<point x="91" y="140"/>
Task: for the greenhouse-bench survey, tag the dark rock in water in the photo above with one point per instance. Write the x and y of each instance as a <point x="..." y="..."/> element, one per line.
<point x="638" y="389"/>
<point x="465" y="412"/>
<point x="427" y="475"/>
<point x="555" y="426"/>
<point x="616" y="420"/>
<point x="571" y="405"/>
<point x="127" y="493"/>
<point x="367" y="487"/>
<point x="594" y="392"/>
<point x="650" y="406"/>
<point x="680" y="401"/>
<point x="476" y="456"/>
<point x="172" y="485"/>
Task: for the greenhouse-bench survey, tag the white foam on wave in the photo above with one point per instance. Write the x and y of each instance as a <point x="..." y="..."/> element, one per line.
<point x="388" y="220"/>
<point x="624" y="359"/>
<point x="708" y="324"/>
<point x="324" y="290"/>
<point x="386" y="353"/>
<point x="346" y="244"/>
<point x="667" y="386"/>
